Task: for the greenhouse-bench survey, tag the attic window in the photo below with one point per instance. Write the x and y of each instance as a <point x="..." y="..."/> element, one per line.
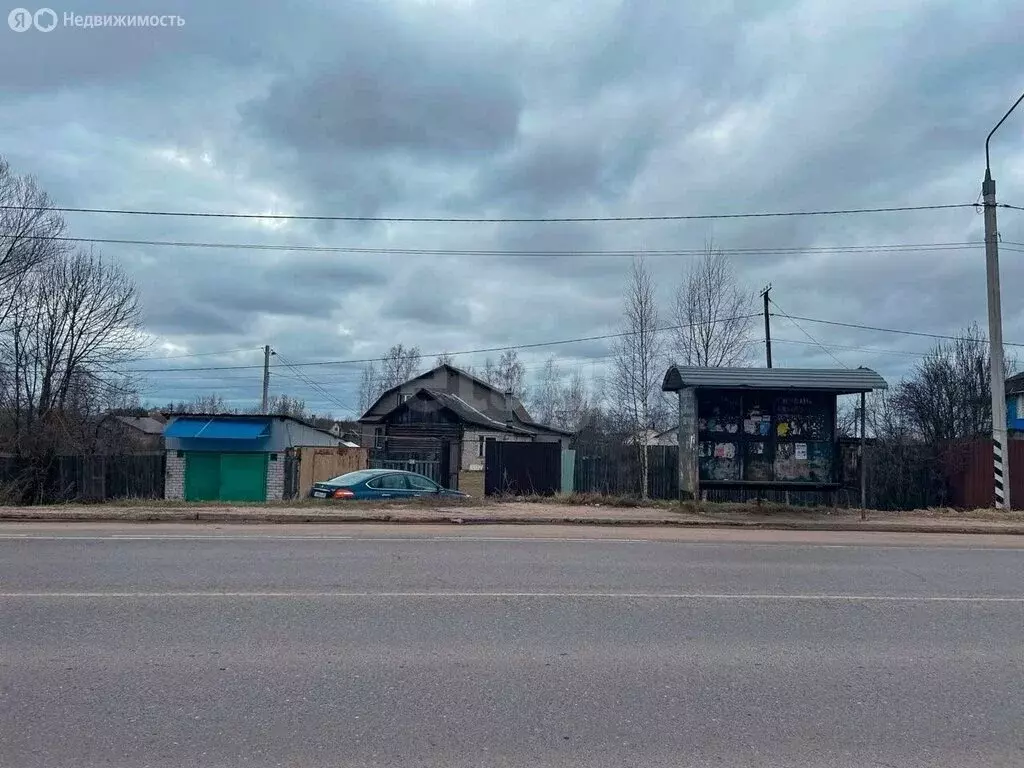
<point x="403" y="396"/>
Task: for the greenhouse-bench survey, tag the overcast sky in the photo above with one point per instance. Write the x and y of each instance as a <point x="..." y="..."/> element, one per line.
<point x="523" y="108"/>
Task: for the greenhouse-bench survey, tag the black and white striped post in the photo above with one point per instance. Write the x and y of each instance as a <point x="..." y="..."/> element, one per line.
<point x="1000" y="467"/>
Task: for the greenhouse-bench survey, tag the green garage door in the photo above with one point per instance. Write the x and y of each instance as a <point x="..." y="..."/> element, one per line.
<point x="225" y="476"/>
<point x="243" y="477"/>
<point x="202" y="476"/>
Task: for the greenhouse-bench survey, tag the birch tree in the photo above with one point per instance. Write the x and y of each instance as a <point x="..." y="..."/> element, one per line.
<point x="638" y="363"/>
<point x="713" y="314"/>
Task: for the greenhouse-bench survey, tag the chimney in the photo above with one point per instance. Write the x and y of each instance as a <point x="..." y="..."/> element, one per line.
<point x="508" y="407"/>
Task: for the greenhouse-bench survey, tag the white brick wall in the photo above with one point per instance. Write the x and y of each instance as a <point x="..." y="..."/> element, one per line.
<point x="275" y="478"/>
<point x="174" y="476"/>
<point x="471" y="458"/>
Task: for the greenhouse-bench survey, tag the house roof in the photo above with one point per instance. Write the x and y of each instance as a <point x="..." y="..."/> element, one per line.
<point x="548" y="428"/>
<point x="1015" y="384"/>
<point x="837" y="380"/>
<point x="462" y="410"/>
<point x="517" y="406"/>
<point x="468" y="413"/>
<point x="246" y="417"/>
<point x="145" y="424"/>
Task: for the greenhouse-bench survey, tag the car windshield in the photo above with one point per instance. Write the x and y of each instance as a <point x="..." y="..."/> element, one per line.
<point x="352" y="477"/>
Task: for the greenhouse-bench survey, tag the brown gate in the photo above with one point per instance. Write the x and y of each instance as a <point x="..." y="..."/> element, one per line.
<point x="522" y="468"/>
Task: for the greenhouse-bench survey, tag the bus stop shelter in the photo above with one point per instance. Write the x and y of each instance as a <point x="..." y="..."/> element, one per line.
<point x="763" y="428"/>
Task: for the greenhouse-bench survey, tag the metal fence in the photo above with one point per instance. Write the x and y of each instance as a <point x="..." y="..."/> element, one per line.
<point x="431" y="469"/>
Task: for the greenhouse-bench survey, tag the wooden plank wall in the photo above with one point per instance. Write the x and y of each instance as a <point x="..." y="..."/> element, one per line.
<point x="319" y="464"/>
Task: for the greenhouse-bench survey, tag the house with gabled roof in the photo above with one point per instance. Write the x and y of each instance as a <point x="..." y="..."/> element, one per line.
<point x="447" y="408"/>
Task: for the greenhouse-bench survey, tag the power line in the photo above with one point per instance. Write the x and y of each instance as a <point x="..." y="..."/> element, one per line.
<point x="316" y="387"/>
<point x="808" y="335"/>
<point x="491" y="220"/>
<point x="191" y="354"/>
<point x="873" y="350"/>
<point x="945" y="337"/>
<point x="534" y="345"/>
<point x="1011" y="207"/>
<point x="767" y="251"/>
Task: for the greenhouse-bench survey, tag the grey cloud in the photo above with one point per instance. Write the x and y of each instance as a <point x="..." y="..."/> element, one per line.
<point x="182" y="316"/>
<point x="394" y="88"/>
<point x="326" y="274"/>
<point x="225" y="33"/>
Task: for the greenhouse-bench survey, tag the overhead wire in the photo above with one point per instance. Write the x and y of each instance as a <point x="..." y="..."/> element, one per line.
<point x="863" y="327"/>
<point x="310" y="382"/>
<point x="765" y="251"/>
<point x="533" y="345"/>
<point x="490" y="220"/>
<point x="808" y="335"/>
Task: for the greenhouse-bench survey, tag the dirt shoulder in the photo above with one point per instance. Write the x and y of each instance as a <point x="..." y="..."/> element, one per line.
<point x="536" y="513"/>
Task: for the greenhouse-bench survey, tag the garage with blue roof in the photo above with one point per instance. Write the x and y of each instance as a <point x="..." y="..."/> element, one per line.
<point x="227" y="457"/>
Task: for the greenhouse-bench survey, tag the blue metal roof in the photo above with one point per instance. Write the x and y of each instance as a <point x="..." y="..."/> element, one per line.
<point x="218" y="429"/>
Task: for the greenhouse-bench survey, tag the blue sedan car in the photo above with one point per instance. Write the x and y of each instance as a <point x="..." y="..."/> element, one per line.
<point x="381" y="484"/>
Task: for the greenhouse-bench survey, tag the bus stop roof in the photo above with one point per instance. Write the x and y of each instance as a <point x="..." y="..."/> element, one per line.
<point x="840" y="381"/>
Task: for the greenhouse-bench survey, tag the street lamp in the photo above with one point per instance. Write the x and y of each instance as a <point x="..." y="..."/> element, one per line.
<point x="1000" y="449"/>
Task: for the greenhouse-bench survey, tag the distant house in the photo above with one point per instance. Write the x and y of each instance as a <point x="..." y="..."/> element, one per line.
<point x="1015" y="405"/>
<point x="349" y="431"/>
<point x="119" y="433"/>
<point x="448" y="407"/>
<point x="668" y="436"/>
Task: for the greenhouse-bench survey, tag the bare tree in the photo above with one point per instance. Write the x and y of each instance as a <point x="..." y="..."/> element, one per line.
<point x="713" y="312"/>
<point x="76" y="318"/>
<point x="28" y="234"/>
<point x="444" y="359"/>
<point x="211" y="404"/>
<point x="284" y="405"/>
<point x="576" y="403"/>
<point x="548" y="394"/>
<point x="948" y="397"/>
<point x="637" y="365"/>
<point x="369" y="387"/>
<point x="399" y="364"/>
<point x="508" y="375"/>
<point x="70" y="323"/>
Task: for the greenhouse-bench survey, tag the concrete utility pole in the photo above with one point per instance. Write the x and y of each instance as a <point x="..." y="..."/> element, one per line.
<point x="1000" y="449"/>
<point x="266" y="379"/>
<point x="767" y="325"/>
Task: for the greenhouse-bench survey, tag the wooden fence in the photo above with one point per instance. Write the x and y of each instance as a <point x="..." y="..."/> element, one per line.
<point x="614" y="470"/>
<point x="95" y="477"/>
<point x="318" y="464"/>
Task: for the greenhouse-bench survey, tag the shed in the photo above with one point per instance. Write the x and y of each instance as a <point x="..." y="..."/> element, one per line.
<point x="761" y="428"/>
<point x="227" y="457"/>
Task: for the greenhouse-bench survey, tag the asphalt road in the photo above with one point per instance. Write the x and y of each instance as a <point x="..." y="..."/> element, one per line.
<point x="178" y="645"/>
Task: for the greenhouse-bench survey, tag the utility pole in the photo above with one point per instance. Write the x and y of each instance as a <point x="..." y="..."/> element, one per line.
<point x="266" y="379"/>
<point x="1001" y="468"/>
<point x="767" y="325"/>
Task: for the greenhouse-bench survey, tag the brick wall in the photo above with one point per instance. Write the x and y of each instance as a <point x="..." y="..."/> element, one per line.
<point x="174" y="476"/>
<point x="275" y="478"/>
<point x="471" y="458"/>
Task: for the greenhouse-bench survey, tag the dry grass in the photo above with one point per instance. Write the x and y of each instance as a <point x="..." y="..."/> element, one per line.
<point x="726" y="510"/>
<point x="712" y="510"/>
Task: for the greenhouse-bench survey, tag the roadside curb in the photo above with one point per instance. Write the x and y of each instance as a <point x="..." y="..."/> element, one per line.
<point x="184" y="516"/>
